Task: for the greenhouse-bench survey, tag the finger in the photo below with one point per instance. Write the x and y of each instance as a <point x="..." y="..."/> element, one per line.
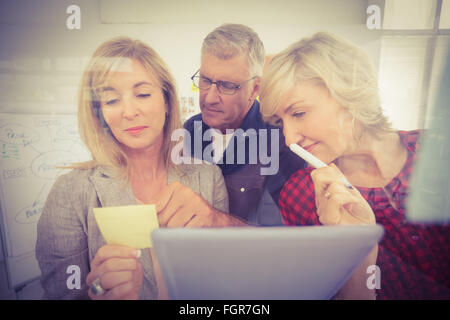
<point x="184" y="197"/>
<point x="113" y="279"/>
<point x="120" y="285"/>
<point x="338" y="188"/>
<point x="336" y="170"/>
<point x="169" y="211"/>
<point x="324" y="189"/>
<point x="351" y="210"/>
<point x="108" y="252"/>
<point x="197" y="222"/>
<point x="119" y="291"/>
<point x="361" y="212"/>
<point x="336" y="199"/>
<point x="354" y="201"/>
<point x="129" y="289"/>
<point x="346" y="183"/>
<point x="181" y="217"/>
<point x="322" y="177"/>
<point x="165" y="195"/>
<point x="110" y="266"/>
<point x="331" y="210"/>
<point x="332" y="170"/>
<point x="329" y="214"/>
<point x="94" y="296"/>
<point x="331" y="173"/>
<point x="114" y="251"/>
<point x="197" y="213"/>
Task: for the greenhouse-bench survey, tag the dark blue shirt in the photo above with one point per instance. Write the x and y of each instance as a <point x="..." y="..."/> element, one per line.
<point x="242" y="171"/>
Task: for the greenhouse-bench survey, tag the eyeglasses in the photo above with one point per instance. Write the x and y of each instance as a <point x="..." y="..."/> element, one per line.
<point x="225" y="87"/>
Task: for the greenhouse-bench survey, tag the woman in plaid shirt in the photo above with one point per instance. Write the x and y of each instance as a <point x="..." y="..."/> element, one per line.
<point x="324" y="92"/>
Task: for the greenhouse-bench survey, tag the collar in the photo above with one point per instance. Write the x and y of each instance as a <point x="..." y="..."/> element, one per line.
<point x="112" y="191"/>
<point x="253" y="118"/>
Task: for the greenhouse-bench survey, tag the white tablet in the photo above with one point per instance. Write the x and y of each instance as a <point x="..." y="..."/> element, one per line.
<point x="261" y="263"/>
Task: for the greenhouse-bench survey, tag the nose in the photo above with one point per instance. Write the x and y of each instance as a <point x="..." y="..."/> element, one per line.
<point x="212" y="95"/>
<point x="291" y="133"/>
<point x="130" y="107"/>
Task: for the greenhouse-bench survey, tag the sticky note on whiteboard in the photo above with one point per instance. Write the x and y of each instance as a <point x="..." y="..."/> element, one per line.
<point x="127" y="225"/>
<point x="194" y="88"/>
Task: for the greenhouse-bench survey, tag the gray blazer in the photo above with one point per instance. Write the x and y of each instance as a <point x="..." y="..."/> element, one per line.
<point x="68" y="235"/>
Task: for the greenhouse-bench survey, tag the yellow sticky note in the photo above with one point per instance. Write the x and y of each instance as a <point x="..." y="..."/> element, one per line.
<point x="194" y="88"/>
<point x="128" y="225"/>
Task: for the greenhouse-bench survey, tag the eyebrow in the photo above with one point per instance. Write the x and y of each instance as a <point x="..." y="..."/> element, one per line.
<point x="232" y="81"/>
<point x="134" y="87"/>
<point x="143" y="83"/>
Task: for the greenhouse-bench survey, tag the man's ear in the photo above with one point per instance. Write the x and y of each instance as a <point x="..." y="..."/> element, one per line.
<point x="256" y="88"/>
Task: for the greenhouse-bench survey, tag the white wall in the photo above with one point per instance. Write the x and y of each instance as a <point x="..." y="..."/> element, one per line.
<point x="41" y="60"/>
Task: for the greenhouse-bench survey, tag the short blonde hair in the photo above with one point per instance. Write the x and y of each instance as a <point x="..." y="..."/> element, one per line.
<point x="341" y="67"/>
<point x="94" y="132"/>
<point x="230" y="40"/>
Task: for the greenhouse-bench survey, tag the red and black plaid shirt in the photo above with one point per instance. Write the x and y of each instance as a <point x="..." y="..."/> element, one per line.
<point x="414" y="259"/>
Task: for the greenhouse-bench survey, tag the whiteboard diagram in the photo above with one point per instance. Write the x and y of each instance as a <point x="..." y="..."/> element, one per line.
<point x="33" y="150"/>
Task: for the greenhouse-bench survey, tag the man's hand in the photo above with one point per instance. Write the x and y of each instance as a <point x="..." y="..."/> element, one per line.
<point x="179" y="206"/>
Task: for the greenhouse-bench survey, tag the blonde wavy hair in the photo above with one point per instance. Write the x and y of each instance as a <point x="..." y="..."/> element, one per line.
<point x="341" y="67"/>
<point x="94" y="131"/>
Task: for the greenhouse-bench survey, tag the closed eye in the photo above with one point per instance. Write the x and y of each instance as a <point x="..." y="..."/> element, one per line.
<point x="276" y="121"/>
<point x="144" y="95"/>
<point x="111" y="102"/>
<point x="205" y="81"/>
<point x="298" y="114"/>
<point x="228" y="85"/>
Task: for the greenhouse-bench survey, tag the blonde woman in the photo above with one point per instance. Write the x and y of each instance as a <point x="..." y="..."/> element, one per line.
<point x="324" y="93"/>
<point x="127" y="110"/>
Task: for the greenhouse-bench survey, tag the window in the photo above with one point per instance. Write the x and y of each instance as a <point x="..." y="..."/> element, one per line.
<point x="414" y="46"/>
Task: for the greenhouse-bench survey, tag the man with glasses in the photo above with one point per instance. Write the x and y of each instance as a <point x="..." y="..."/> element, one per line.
<point x="232" y="60"/>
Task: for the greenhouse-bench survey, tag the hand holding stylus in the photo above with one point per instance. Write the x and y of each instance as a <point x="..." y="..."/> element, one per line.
<point x="312" y="160"/>
<point x="337" y="201"/>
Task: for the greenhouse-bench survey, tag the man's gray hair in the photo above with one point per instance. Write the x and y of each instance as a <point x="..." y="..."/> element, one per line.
<point x="230" y="40"/>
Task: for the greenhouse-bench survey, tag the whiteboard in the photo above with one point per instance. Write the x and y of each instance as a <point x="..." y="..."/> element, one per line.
<point x="31" y="149"/>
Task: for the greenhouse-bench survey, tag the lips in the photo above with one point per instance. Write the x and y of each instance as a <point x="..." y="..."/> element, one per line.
<point x="211" y="110"/>
<point x="309" y="146"/>
<point x="135" y="130"/>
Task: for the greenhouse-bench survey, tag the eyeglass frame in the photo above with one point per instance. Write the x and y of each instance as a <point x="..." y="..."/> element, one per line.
<point x="218" y="83"/>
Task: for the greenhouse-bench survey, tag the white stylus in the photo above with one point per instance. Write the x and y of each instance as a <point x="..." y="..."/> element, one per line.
<point x="312" y="160"/>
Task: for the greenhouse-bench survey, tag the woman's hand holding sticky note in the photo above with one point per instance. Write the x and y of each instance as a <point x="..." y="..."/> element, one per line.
<point x="127" y="225"/>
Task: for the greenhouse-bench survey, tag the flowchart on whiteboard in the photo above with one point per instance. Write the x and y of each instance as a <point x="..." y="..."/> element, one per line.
<point x="33" y="148"/>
